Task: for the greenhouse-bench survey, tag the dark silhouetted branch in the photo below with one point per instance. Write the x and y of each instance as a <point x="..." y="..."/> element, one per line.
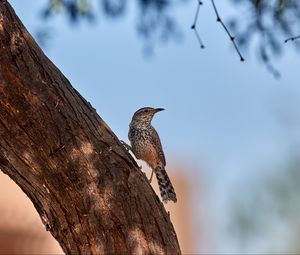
<point x="194" y="25"/>
<point x="227" y="31"/>
<point x="293" y="38"/>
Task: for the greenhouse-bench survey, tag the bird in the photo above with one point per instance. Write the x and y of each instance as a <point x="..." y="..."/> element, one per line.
<point x="146" y="145"/>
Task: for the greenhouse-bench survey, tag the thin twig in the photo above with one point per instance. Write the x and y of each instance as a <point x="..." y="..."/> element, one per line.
<point x="196" y="15"/>
<point x="194" y="25"/>
<point x="227" y="31"/>
<point x="199" y="39"/>
<point x="292" y="38"/>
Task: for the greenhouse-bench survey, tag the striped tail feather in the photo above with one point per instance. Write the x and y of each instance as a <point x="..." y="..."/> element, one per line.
<point x="165" y="186"/>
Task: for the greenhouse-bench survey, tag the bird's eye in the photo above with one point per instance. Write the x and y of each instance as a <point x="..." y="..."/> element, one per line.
<point x="146" y="111"/>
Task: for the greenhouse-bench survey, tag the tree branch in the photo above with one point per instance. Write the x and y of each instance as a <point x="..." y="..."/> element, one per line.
<point x="293" y="38"/>
<point x="194" y="25"/>
<point x="227" y="31"/>
<point x="86" y="187"/>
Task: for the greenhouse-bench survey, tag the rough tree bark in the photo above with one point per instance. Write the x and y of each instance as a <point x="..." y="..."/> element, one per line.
<point x="85" y="186"/>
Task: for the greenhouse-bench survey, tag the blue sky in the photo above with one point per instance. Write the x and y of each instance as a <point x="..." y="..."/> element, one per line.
<point x="220" y="113"/>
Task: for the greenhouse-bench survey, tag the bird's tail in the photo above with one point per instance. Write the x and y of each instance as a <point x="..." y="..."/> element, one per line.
<point x="165" y="186"/>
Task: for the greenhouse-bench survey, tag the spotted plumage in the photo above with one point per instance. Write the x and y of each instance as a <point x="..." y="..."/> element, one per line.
<point x="146" y="145"/>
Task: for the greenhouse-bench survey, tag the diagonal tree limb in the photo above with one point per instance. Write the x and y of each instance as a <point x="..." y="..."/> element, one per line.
<point x="85" y="186"/>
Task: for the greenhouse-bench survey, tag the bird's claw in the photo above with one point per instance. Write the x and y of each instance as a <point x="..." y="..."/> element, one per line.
<point x="127" y="146"/>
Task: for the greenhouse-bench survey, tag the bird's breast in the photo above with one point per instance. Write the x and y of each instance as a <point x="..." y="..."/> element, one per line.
<point x="143" y="147"/>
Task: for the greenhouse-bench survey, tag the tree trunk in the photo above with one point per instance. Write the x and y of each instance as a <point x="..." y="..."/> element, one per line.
<point x="86" y="187"/>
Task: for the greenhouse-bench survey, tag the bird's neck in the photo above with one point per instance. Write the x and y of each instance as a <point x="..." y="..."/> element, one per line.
<point x="140" y="125"/>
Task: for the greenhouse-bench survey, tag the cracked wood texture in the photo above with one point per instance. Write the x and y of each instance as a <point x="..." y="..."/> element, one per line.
<point x="85" y="186"/>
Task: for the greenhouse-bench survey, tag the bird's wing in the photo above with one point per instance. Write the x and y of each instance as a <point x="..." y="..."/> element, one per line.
<point x="157" y="144"/>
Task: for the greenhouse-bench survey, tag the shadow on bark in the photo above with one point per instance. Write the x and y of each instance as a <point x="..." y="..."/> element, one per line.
<point x="85" y="186"/>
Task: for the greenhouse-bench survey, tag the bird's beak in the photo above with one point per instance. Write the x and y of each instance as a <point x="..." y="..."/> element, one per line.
<point x="158" y="110"/>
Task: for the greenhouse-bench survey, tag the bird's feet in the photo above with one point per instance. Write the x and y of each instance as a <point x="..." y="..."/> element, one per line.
<point x="127" y="146"/>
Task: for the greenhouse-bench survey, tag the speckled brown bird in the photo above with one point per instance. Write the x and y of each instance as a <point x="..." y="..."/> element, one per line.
<point x="146" y="145"/>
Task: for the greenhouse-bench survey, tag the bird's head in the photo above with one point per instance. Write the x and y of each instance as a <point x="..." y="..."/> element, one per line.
<point x="145" y="114"/>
